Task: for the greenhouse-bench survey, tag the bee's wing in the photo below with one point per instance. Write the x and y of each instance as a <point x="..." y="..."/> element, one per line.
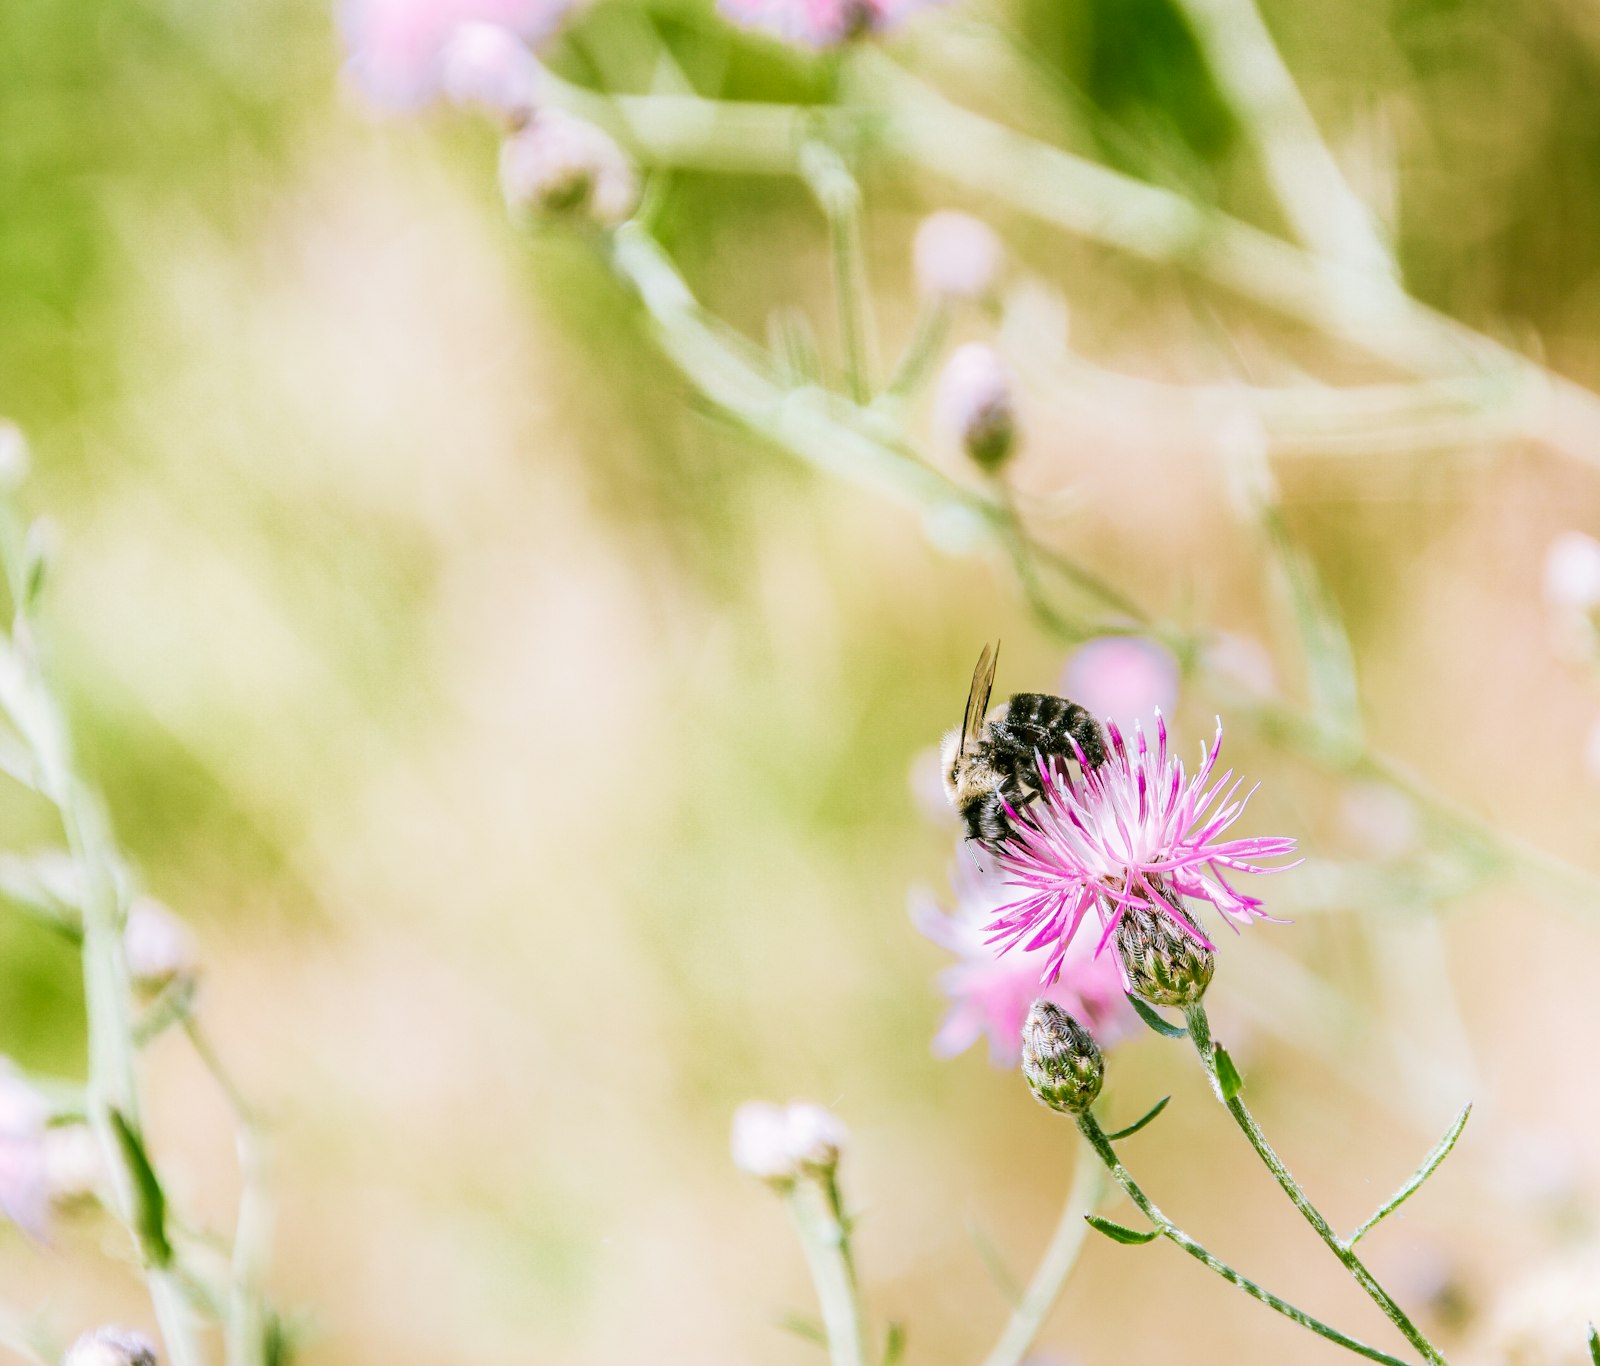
<point x="978" y="695"/>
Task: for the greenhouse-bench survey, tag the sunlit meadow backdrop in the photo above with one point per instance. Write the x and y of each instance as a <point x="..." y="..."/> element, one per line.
<point x="532" y="751"/>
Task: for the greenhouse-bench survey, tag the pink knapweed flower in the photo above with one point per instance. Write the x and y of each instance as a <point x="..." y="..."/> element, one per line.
<point x="1122" y="678"/>
<point x="990" y="992"/>
<point x="1136" y="830"/>
<point x="819" y="23"/>
<point x="398" y="48"/>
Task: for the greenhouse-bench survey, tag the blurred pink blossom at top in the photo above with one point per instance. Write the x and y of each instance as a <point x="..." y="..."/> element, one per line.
<point x="397" y="47"/>
<point x="820" y="23"/>
<point x="990" y="992"/>
<point x="1122" y="679"/>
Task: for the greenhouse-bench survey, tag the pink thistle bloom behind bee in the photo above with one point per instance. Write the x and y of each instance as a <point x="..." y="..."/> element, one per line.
<point x="990" y="993"/>
<point x="400" y="49"/>
<point x="1134" y="831"/>
<point x="819" y="23"/>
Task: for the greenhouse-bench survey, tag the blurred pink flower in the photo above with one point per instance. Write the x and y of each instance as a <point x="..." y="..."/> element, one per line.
<point x="819" y="23"/>
<point x="1135" y="830"/>
<point x="990" y="993"/>
<point x="955" y="256"/>
<point x="398" y="47"/>
<point x="1123" y="679"/>
<point x="24" y="1185"/>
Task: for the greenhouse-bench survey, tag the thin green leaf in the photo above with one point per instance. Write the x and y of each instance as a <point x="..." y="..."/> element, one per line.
<point x="149" y="1200"/>
<point x="1594" y="1346"/>
<point x="1139" y="1123"/>
<point x="1228" y="1079"/>
<point x="1430" y="1164"/>
<point x="804" y="1328"/>
<point x="1117" y="1233"/>
<point x="994" y="1264"/>
<point x="894" y="1346"/>
<point x="1163" y="1027"/>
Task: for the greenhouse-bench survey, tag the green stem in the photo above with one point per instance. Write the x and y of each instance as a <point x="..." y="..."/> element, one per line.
<point x="927" y="340"/>
<point x="1054" y="1267"/>
<point x="1092" y="1131"/>
<point x="1200" y="1033"/>
<point x="825" y="1238"/>
<point x="840" y="197"/>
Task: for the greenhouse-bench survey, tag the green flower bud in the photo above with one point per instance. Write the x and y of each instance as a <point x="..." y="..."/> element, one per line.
<point x="1164" y="963"/>
<point x="1060" y="1059"/>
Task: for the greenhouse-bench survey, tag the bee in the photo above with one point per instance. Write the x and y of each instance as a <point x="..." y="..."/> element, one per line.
<point x="993" y="758"/>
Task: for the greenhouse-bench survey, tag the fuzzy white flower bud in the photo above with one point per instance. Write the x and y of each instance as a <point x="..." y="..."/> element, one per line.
<point x="780" y="1143"/>
<point x="816" y="1136"/>
<point x="974" y="404"/>
<point x="1572" y="571"/>
<point x="956" y="257"/>
<point x="111" y="1347"/>
<point x="561" y="165"/>
<point x="489" y="67"/>
<point x="760" y="1141"/>
<point x="159" y="947"/>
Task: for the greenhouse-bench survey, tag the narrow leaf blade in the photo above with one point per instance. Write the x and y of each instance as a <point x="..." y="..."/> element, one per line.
<point x="1163" y="1027"/>
<point x="1118" y="1234"/>
<point x="1228" y="1077"/>
<point x="1594" y="1346"/>
<point x="1429" y="1165"/>
<point x="150" y="1201"/>
<point x="894" y="1346"/>
<point x="1139" y="1123"/>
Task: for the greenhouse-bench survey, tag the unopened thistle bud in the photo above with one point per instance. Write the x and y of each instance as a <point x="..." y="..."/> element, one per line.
<point x="956" y="257"/>
<point x="111" y="1347"/>
<point x="489" y="67"/>
<point x="1164" y="964"/>
<point x="975" y="407"/>
<point x="159" y="947"/>
<point x="1061" y="1061"/>
<point x="816" y="1136"/>
<point x="563" y="166"/>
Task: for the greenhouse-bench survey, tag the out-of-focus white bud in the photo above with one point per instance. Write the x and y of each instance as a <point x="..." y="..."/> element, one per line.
<point x="565" y="166"/>
<point x="488" y="67"/>
<point x="24" y="1198"/>
<point x="13" y="455"/>
<point x="816" y="1136"/>
<point x="1379" y="821"/>
<point x="111" y="1347"/>
<point x="760" y="1141"/>
<point x="74" y="1170"/>
<point x="159" y="947"/>
<point x="974" y="404"/>
<point x="1572" y="571"/>
<point x="956" y="257"/>
<point x="779" y="1143"/>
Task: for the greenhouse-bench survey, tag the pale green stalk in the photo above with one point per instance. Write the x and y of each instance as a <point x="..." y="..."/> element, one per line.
<point x="839" y="196"/>
<point x="1200" y="1035"/>
<point x="1320" y="205"/>
<point x="1027" y="1319"/>
<point x="825" y="1239"/>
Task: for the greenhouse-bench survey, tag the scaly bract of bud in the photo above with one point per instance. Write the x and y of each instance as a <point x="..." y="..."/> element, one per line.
<point x="1061" y="1061"/>
<point x="1164" y="964"/>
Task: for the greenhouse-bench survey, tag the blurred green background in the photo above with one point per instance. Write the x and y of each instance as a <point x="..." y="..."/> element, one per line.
<point x="530" y="750"/>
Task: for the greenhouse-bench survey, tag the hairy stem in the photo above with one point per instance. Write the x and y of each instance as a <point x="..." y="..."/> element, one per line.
<point x="1200" y="1033"/>
<point x="825" y="1238"/>
<point x="1098" y="1141"/>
